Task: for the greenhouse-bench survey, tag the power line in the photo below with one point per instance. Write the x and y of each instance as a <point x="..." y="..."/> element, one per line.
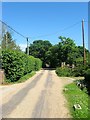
<point x="87" y="21"/>
<point x="13" y="29"/>
<point x="18" y="34"/>
<point x="44" y="34"/>
<point x="71" y="26"/>
<point x="57" y="31"/>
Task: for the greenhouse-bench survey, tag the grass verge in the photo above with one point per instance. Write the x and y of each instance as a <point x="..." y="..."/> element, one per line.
<point x="27" y="76"/>
<point x="22" y="79"/>
<point x="75" y="95"/>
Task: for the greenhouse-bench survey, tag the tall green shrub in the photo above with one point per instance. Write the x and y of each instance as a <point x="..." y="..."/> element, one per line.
<point x="63" y="71"/>
<point x="80" y="70"/>
<point x="16" y="64"/>
<point x="38" y="64"/>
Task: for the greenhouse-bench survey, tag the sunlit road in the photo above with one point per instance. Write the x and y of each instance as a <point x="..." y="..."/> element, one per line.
<point x="39" y="97"/>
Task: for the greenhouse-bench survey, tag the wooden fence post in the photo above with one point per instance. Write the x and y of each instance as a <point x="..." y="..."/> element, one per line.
<point x="1" y="76"/>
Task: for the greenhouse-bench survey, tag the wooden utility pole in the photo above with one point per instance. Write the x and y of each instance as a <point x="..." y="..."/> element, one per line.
<point x="84" y="53"/>
<point x="27" y="47"/>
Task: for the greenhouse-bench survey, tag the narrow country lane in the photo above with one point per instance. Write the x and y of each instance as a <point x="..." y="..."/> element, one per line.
<point x="39" y="97"/>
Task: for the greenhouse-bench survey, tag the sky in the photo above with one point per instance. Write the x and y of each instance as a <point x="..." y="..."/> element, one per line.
<point x="45" y="0"/>
<point x="46" y="20"/>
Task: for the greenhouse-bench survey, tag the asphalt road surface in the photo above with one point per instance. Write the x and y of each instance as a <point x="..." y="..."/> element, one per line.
<point x="39" y="97"/>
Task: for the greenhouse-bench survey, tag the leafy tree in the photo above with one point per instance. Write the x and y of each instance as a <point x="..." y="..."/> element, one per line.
<point x="8" y="42"/>
<point x="68" y="49"/>
<point x="80" y="48"/>
<point x="65" y="51"/>
<point x="38" y="49"/>
<point x="52" y="56"/>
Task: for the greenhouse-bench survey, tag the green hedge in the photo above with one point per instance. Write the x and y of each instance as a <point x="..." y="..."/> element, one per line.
<point x="63" y="71"/>
<point x="16" y="64"/>
<point x="77" y="71"/>
<point x="38" y="64"/>
<point x="80" y="70"/>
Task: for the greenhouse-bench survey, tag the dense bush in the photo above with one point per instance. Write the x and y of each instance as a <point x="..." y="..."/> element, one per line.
<point x="79" y="70"/>
<point x="16" y="64"/>
<point x="87" y="75"/>
<point x="38" y="64"/>
<point x="64" y="71"/>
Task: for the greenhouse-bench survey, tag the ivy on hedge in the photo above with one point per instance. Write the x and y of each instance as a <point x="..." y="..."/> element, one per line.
<point x="16" y="64"/>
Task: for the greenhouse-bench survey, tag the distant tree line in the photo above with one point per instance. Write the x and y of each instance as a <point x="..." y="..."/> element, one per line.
<point x="53" y="55"/>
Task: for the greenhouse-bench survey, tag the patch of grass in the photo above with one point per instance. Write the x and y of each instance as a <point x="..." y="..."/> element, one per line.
<point x="22" y="79"/>
<point x="76" y="96"/>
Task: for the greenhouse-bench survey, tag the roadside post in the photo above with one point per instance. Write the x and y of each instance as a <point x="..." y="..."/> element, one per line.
<point x="1" y="76"/>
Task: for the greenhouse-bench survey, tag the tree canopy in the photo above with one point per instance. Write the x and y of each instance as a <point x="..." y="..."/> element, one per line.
<point x="53" y="55"/>
<point x="39" y="48"/>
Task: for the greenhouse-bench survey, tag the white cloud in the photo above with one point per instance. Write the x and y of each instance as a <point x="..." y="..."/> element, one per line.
<point x="23" y="46"/>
